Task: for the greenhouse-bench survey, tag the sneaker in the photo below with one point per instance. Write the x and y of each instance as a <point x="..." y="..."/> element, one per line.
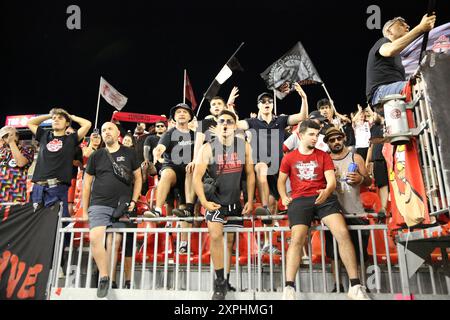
<point x="230" y="287"/>
<point x="305" y="260"/>
<point x="220" y="289"/>
<point x="114" y="285"/>
<point x="341" y="289"/>
<point x="267" y="249"/>
<point x="262" y="211"/>
<point x="127" y="284"/>
<point x="182" y="213"/>
<point x="152" y="214"/>
<point x="183" y="249"/>
<point x="358" y="292"/>
<point x="103" y="286"/>
<point x="289" y="293"/>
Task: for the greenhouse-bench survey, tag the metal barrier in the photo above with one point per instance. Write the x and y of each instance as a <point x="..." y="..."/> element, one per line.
<point x="159" y="271"/>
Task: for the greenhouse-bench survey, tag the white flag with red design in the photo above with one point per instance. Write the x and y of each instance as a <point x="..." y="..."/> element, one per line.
<point x="111" y="95"/>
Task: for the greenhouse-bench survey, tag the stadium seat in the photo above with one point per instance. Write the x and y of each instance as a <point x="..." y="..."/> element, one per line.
<point x="243" y="249"/>
<point x="371" y="201"/>
<point x="381" y="248"/>
<point x="160" y="250"/>
<point x="194" y="256"/>
<point x="316" y="255"/>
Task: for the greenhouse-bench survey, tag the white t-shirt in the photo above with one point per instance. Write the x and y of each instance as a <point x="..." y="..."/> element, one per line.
<point x="362" y="135"/>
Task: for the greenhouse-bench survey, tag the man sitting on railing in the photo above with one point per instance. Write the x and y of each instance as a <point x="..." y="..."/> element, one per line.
<point x="385" y="72"/>
<point x="114" y="169"/>
<point x="225" y="158"/>
<point x="347" y="189"/>
<point x="311" y="172"/>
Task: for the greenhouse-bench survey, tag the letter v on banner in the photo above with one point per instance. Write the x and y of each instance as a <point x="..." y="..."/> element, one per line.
<point x="111" y="95"/>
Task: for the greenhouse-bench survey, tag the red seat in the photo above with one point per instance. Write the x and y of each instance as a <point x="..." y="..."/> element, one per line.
<point x="371" y="201"/>
<point x="381" y="248"/>
<point x="160" y="248"/>
<point x="194" y="256"/>
<point x="316" y="255"/>
<point x="436" y="255"/>
<point x="80" y="224"/>
<point x="244" y="247"/>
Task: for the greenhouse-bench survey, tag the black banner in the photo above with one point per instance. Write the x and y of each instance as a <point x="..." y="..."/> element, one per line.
<point x="26" y="250"/>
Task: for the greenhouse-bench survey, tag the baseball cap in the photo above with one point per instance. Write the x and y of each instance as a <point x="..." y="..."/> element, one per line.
<point x="264" y="94"/>
<point x="316" y="115"/>
<point x="389" y="24"/>
<point x="182" y="106"/>
<point x="333" y="131"/>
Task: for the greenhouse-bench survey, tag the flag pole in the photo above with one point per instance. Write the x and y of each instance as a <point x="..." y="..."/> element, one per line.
<point x="328" y="95"/>
<point x="184" y="87"/>
<point x="275" y="101"/>
<point x="212" y="82"/>
<point x="98" y="102"/>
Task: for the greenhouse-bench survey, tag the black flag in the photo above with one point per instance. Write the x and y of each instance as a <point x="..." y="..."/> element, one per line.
<point x="226" y="72"/>
<point x="294" y="66"/>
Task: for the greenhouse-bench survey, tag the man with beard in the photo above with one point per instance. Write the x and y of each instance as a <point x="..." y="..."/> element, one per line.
<point x="313" y="182"/>
<point x="225" y="158"/>
<point x="103" y="192"/>
<point x="347" y="189"/>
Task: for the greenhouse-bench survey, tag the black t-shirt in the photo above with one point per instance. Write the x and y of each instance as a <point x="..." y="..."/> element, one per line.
<point x="151" y="141"/>
<point x="382" y="70"/>
<point x="139" y="147"/>
<point x="107" y="189"/>
<point x="56" y="156"/>
<point x="262" y="136"/>
<point x="179" y="147"/>
<point x="204" y="126"/>
<point x="349" y="134"/>
<point x="377" y="132"/>
<point x="78" y="157"/>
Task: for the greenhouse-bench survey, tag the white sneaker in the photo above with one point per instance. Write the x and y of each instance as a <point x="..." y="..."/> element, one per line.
<point x="358" y="292"/>
<point x="288" y="293"/>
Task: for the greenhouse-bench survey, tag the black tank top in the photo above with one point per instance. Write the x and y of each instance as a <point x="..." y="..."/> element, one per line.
<point x="226" y="168"/>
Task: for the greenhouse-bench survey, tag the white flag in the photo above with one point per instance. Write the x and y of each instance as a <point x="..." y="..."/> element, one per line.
<point x="111" y="95"/>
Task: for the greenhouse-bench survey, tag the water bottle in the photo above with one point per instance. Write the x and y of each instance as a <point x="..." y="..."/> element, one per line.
<point x="352" y="167"/>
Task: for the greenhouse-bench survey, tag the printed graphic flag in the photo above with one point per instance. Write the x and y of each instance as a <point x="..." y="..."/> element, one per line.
<point x="111" y="95"/>
<point x="189" y="92"/>
<point x="224" y="74"/>
<point x="294" y="66"/>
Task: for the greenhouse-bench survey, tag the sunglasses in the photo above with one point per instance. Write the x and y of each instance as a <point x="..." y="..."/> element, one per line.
<point x="266" y="101"/>
<point x="226" y="121"/>
<point x="160" y="126"/>
<point x="333" y="140"/>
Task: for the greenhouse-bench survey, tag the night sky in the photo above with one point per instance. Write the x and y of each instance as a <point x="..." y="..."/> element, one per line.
<point x="142" y="47"/>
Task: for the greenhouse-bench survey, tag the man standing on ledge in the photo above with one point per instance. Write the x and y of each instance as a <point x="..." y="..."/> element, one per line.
<point x="385" y="73"/>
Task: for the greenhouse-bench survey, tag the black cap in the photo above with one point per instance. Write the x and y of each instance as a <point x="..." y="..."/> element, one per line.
<point x="316" y="115"/>
<point x="183" y="106"/>
<point x="264" y="94"/>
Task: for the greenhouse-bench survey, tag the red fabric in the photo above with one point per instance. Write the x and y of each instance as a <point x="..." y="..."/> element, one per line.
<point x="306" y="172"/>
<point x="190" y="93"/>
<point x="137" y="117"/>
<point x="285" y="148"/>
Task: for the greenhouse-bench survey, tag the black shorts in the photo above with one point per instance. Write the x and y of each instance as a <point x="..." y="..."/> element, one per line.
<point x="302" y="210"/>
<point x="362" y="152"/>
<point x="273" y="190"/>
<point x="180" y="172"/>
<point x="224" y="212"/>
<point x="380" y="173"/>
<point x="353" y="236"/>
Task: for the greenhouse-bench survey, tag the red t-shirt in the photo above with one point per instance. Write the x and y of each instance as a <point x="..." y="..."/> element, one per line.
<point x="306" y="172"/>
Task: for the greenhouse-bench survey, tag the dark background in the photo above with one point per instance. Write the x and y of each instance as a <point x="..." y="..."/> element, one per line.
<point x="142" y="47"/>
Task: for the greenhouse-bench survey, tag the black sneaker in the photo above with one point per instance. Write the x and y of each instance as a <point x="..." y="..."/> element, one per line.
<point x="262" y="211"/>
<point x="220" y="289"/>
<point x="114" y="285"/>
<point x="182" y="213"/>
<point x="127" y="284"/>
<point x="341" y="289"/>
<point x="230" y="287"/>
<point x="152" y="214"/>
<point x="103" y="286"/>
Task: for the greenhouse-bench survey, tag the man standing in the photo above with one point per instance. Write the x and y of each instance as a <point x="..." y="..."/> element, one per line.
<point x="150" y="144"/>
<point x="15" y="160"/>
<point x="105" y="193"/>
<point x="385" y="73"/>
<point x="225" y="158"/>
<point x="311" y="172"/>
<point x="347" y="187"/>
<point x="53" y="173"/>
<point x="267" y="140"/>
